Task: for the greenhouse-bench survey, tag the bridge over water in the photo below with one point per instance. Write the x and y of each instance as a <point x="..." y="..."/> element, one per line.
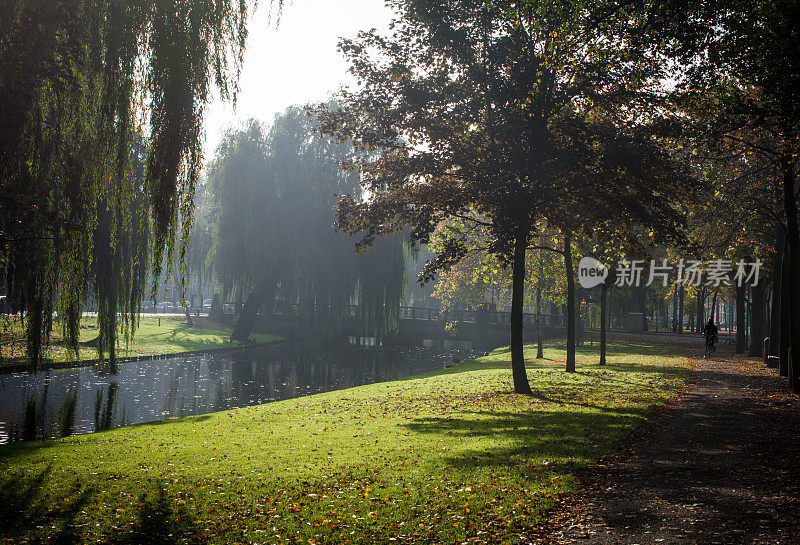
<point x="483" y="329"/>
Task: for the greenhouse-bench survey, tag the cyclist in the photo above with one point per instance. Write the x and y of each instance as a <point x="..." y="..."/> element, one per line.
<point x="710" y="332"/>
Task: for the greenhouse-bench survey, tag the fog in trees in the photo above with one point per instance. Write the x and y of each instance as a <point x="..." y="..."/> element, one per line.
<point x="272" y="193"/>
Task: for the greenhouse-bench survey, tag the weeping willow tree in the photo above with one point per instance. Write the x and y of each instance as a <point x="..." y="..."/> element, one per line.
<point x="381" y="286"/>
<point x="79" y="80"/>
<point x="274" y="192"/>
<point x="118" y="264"/>
<point x="245" y="214"/>
<point x="199" y="264"/>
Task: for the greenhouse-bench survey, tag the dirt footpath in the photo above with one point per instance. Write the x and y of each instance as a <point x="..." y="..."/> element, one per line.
<point x="720" y="465"/>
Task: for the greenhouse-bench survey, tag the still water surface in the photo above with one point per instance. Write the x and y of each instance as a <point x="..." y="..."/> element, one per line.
<point x="64" y="402"/>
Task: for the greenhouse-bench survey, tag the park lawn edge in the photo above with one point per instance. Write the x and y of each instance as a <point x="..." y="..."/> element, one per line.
<point x="138" y="352"/>
<point x="409" y="460"/>
<point x="53" y="365"/>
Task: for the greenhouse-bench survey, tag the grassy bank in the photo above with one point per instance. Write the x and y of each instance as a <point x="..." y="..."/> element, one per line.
<point x="445" y="457"/>
<point x="155" y="335"/>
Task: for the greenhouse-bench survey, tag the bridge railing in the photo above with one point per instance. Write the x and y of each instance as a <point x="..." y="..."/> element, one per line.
<point x="419" y="313"/>
<point x="547" y="320"/>
<point x="416" y="313"/>
<point x="494" y="317"/>
<point x="459" y="315"/>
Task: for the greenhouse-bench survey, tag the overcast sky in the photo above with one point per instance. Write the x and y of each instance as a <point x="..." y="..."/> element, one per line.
<point x="295" y="63"/>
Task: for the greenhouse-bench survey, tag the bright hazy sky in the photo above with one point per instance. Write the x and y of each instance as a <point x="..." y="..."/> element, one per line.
<point x="295" y="63"/>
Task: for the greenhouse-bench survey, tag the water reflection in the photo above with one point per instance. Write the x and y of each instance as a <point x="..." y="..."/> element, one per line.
<point x="66" y="415"/>
<point x="104" y="412"/>
<point x="64" y="402"/>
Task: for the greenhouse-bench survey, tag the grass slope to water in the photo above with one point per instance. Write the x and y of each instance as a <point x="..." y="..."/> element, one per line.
<point x="450" y="456"/>
<point x="164" y="335"/>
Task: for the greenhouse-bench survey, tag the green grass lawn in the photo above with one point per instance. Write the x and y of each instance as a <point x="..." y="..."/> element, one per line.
<point x="165" y="335"/>
<point x="451" y="456"/>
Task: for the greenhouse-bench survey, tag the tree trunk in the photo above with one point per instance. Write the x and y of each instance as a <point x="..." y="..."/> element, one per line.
<point x="730" y="318"/>
<point x="741" y="342"/>
<point x="639" y="303"/>
<point x="757" y="319"/>
<point x="775" y="313"/>
<point x="570" y="304"/>
<point x="246" y="319"/>
<point x="603" y="320"/>
<point x="215" y="311"/>
<point x="748" y="310"/>
<point x="177" y="288"/>
<point x="188" y="313"/>
<point x="238" y="303"/>
<point x="675" y="308"/>
<point x="713" y="314"/>
<point x="681" y="292"/>
<point x="793" y="270"/>
<point x="539" y="347"/>
<point x="521" y="385"/>
<point x="699" y="319"/>
<point x="783" y="363"/>
<point x="700" y="322"/>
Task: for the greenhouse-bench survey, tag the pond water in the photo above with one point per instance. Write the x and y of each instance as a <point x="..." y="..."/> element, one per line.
<point x="63" y="402"/>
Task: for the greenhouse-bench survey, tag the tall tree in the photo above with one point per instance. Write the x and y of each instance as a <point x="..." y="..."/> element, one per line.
<point x="470" y="110"/>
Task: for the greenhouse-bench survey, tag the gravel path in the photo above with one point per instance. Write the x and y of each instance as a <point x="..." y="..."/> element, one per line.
<point x="720" y="465"/>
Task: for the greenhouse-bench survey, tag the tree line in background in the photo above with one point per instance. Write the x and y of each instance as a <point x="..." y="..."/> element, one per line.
<point x="500" y="140"/>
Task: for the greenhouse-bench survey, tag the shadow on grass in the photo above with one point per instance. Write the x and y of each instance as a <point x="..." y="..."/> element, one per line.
<point x="184" y="344"/>
<point x="21" y="449"/>
<point x="626" y="349"/>
<point x="560" y="436"/>
<point x="27" y="505"/>
<point x="196" y="419"/>
<point x="667" y="371"/>
<point x="159" y="521"/>
<point x="32" y="511"/>
<point x="537" y="394"/>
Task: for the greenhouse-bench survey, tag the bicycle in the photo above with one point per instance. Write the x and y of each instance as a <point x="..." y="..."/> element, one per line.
<point x="711" y="347"/>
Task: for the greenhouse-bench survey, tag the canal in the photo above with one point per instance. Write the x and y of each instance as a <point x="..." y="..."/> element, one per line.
<point x="57" y="403"/>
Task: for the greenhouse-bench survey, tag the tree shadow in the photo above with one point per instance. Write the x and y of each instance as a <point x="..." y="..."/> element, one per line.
<point x="532" y="364"/>
<point x="195" y="419"/>
<point x="626" y="348"/>
<point x="27" y="505"/>
<point x="666" y="371"/>
<point x="33" y="511"/>
<point x="634" y="349"/>
<point x="560" y="436"/>
<point x="159" y="521"/>
<point x="188" y="344"/>
<point x="537" y="394"/>
<point x="21" y="449"/>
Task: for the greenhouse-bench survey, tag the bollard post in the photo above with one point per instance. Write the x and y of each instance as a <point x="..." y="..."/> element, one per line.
<point x="765" y="353"/>
<point x="773" y="362"/>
